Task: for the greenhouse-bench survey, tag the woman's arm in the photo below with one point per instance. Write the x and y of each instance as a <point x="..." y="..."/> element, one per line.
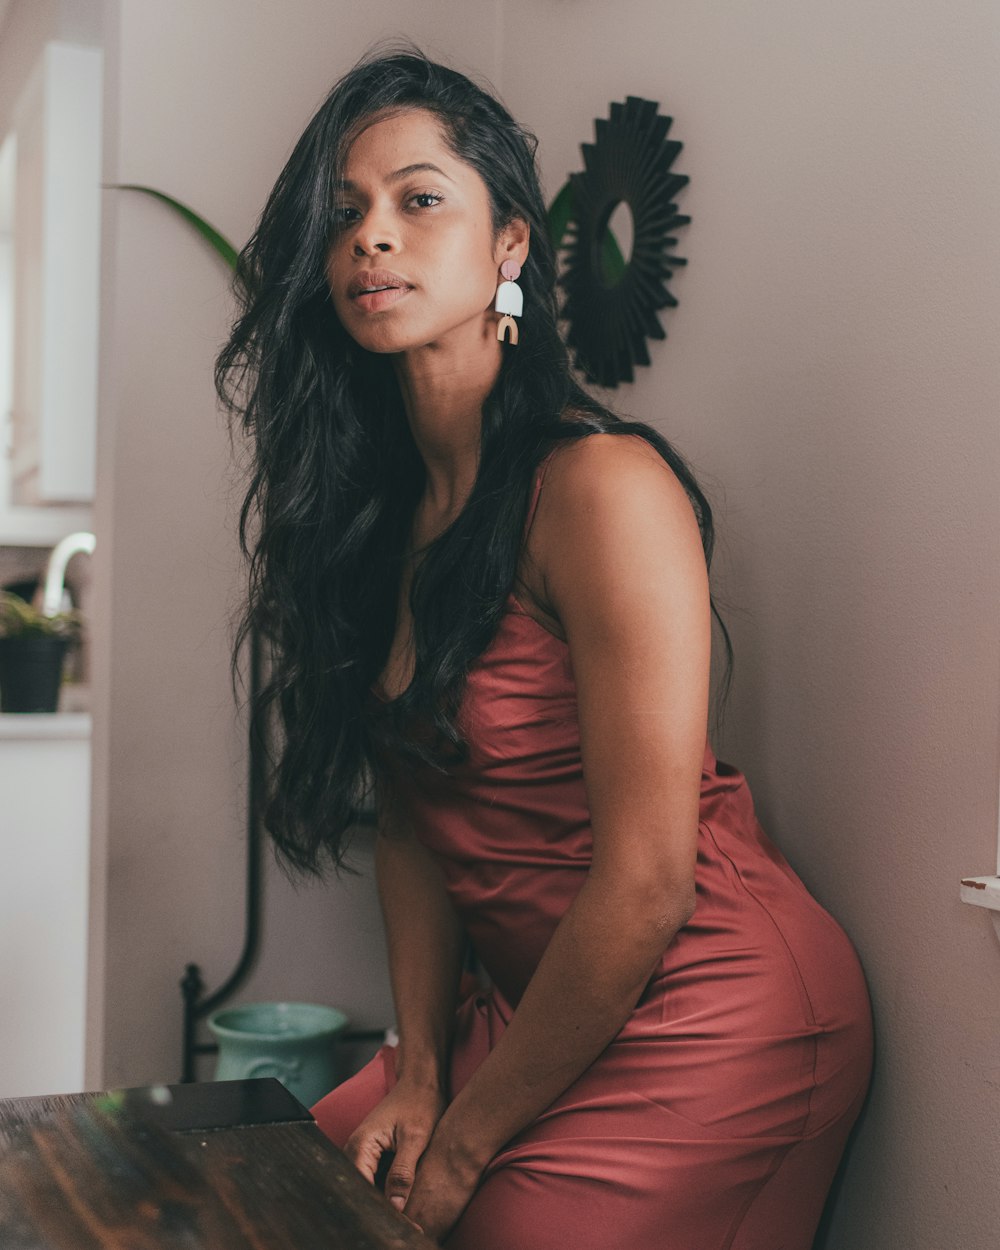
<point x="623" y="566"/>
<point x="425" y="944"/>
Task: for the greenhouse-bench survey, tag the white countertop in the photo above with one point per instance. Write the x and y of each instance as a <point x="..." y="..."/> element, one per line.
<point x="53" y="726"/>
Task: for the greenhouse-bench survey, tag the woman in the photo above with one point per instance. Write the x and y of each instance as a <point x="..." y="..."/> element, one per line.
<point x="488" y="598"/>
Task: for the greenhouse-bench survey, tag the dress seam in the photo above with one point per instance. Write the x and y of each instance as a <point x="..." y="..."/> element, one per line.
<point x="781" y="1154"/>
<point x="813" y="1022"/>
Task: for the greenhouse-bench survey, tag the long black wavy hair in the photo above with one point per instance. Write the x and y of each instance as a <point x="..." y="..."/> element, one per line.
<point x="335" y="474"/>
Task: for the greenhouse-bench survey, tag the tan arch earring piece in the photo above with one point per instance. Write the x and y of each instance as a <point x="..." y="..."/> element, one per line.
<point x="507" y="324"/>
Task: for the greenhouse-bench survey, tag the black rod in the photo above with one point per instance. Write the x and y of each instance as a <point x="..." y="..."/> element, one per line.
<point x="192" y="985"/>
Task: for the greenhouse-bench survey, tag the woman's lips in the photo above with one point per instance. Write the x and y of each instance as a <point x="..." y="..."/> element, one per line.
<point x="376" y="301"/>
<point x="374" y="290"/>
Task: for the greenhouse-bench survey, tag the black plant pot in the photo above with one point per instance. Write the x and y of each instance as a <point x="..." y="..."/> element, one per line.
<point x="31" y="673"/>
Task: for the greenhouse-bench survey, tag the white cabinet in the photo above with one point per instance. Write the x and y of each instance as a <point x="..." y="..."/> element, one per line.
<point x="50" y="173"/>
<point x="44" y="849"/>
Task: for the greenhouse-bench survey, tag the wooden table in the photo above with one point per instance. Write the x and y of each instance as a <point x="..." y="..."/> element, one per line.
<point x="224" y="1165"/>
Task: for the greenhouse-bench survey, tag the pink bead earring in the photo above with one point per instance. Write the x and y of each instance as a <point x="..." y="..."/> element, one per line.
<point x="510" y="301"/>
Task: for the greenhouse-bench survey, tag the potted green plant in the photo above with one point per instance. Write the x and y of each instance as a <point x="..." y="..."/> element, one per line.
<point x="33" y="648"/>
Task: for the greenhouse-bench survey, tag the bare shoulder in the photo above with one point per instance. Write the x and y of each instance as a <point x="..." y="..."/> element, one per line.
<point x="612" y="520"/>
<point x="604" y="481"/>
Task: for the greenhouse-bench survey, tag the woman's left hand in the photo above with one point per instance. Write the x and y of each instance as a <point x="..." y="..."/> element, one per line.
<point x="441" y="1191"/>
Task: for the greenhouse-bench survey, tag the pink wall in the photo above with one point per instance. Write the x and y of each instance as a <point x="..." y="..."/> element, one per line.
<point x="831" y="371"/>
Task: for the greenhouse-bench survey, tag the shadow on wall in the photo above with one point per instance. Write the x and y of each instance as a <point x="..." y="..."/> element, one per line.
<point x="823" y="1231"/>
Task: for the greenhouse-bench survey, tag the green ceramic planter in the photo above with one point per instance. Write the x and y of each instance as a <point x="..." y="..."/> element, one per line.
<point x="295" y="1042"/>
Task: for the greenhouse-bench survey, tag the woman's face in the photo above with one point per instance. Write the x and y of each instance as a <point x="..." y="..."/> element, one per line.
<point x="416" y="219"/>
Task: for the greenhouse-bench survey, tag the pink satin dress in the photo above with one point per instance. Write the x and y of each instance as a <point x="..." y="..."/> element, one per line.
<point x="717" y="1117"/>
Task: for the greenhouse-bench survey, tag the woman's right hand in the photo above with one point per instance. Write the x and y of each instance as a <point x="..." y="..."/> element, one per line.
<point x="402" y="1122"/>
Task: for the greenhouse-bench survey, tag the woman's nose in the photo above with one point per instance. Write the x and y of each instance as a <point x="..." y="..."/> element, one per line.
<point x="374" y="234"/>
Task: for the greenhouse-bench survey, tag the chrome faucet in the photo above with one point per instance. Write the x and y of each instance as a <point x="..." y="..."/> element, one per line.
<point x="55" y="572"/>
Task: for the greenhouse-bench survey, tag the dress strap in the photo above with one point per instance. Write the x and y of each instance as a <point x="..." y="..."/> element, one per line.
<point x="543" y="465"/>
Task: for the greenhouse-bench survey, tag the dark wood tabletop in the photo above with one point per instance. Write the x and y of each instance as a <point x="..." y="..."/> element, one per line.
<point x="212" y="1166"/>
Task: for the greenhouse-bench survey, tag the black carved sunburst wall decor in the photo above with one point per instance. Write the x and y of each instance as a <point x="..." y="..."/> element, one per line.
<point x="611" y="307"/>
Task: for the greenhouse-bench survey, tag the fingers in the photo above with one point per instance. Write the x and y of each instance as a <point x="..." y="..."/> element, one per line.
<point x="364" y="1148"/>
<point x="410" y="1146"/>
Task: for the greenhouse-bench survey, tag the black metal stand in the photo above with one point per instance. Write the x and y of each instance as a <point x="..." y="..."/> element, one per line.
<point x="192" y="986"/>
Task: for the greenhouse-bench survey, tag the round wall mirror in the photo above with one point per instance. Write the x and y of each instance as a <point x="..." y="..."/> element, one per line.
<point x="621" y="229"/>
<point x="618" y="257"/>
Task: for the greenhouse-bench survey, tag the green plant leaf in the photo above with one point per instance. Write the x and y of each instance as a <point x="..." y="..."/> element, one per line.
<point x="18" y="619"/>
<point x="612" y="260"/>
<point x="560" y="214"/>
<point x="208" y="232"/>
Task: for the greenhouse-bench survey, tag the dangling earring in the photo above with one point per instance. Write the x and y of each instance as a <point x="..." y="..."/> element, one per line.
<point x="510" y="300"/>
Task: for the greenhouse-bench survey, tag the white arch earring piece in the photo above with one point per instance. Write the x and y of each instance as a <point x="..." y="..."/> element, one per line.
<point x="509" y="301"/>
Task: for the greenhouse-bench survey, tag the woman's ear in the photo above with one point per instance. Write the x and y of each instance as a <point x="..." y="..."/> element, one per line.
<point x="512" y="243"/>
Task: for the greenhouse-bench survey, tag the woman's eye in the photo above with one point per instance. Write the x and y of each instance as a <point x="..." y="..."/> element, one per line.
<point x="422" y="196"/>
<point x="342" y="214"/>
